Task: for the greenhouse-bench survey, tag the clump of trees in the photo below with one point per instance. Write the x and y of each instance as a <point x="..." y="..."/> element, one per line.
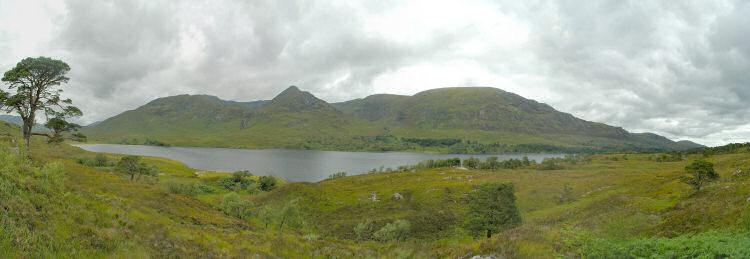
<point x="36" y="82"/>
<point x="234" y="205"/>
<point x="132" y="166"/>
<point x="100" y="160"/>
<point x="699" y="173"/>
<point x="336" y="175"/>
<point x="492" y="209"/>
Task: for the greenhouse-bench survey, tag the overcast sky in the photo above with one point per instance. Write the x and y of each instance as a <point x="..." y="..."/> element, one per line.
<point x="676" y="68"/>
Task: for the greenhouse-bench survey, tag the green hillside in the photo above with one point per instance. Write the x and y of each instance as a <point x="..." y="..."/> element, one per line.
<point x="449" y="120"/>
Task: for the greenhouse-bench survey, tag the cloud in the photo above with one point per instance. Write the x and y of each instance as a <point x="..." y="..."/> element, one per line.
<point x="673" y="68"/>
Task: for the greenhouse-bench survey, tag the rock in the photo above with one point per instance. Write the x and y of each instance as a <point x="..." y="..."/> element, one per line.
<point x="748" y="199"/>
<point x="447" y="178"/>
<point x="398" y="196"/>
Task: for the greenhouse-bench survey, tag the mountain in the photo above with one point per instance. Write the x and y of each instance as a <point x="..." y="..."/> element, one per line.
<point x="18" y="121"/>
<point x="287" y="121"/>
<point x="689" y="144"/>
<point x="455" y="120"/>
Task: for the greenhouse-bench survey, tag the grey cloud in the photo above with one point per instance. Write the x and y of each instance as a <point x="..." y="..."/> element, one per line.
<point x="673" y="68"/>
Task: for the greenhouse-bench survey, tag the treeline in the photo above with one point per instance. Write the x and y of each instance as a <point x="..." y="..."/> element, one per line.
<point x="731" y="148"/>
<point x="490" y="163"/>
<point x="147" y="142"/>
<point x="385" y="143"/>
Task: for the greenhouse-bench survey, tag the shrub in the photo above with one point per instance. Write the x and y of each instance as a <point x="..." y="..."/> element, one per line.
<point x="265" y="215"/>
<point x="290" y="215"/>
<point x="267" y="182"/>
<point x="471" y="163"/>
<point x="363" y="229"/>
<point x="100" y="160"/>
<point x="233" y="205"/>
<point x="189" y="189"/>
<point x="395" y="231"/>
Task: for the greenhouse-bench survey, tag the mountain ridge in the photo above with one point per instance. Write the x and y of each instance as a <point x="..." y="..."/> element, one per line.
<point x="478" y="117"/>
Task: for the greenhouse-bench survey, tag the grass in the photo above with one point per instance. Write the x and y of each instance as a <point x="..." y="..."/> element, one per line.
<point x="56" y="207"/>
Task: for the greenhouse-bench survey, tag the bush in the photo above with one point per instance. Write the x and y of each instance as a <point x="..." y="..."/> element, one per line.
<point x="363" y="229"/>
<point x="100" y="160"/>
<point x="471" y="163"/>
<point x="237" y="182"/>
<point x="396" y="231"/>
<point x="233" y="205"/>
<point x="267" y="183"/>
<point x="189" y="189"/>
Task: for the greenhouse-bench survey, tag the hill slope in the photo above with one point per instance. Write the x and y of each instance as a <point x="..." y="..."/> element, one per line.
<point x="459" y="120"/>
<point x="289" y="120"/>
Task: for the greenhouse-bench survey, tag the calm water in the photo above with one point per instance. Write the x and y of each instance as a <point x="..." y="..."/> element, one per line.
<point x="292" y="165"/>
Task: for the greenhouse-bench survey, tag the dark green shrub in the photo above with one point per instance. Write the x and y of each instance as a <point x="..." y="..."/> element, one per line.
<point x="267" y="183"/>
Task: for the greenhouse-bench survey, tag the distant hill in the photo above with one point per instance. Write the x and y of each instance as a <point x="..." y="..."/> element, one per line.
<point x="289" y="120"/>
<point x="689" y="144"/>
<point x="460" y="120"/>
<point x="18" y="121"/>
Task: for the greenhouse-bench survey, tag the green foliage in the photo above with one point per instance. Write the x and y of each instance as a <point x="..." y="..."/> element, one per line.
<point x="187" y="188"/>
<point x="363" y="230"/>
<point x="492" y="209"/>
<point x="699" y="173"/>
<point x="234" y="205"/>
<point x="471" y="163"/>
<point x="59" y="126"/>
<point x="267" y="182"/>
<point x="336" y="175"/>
<point x="290" y="215"/>
<point x="265" y="215"/>
<point x="550" y="164"/>
<point x="132" y="166"/>
<point x="239" y="180"/>
<point x="100" y="160"/>
<point x="396" y="231"/>
<point x="706" y="245"/>
<point x="34" y="80"/>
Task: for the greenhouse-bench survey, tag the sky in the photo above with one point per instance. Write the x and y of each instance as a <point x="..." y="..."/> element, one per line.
<point x="680" y="69"/>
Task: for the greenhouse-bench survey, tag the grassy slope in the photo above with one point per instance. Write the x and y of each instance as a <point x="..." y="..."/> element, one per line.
<point x="614" y="200"/>
<point x="102" y="214"/>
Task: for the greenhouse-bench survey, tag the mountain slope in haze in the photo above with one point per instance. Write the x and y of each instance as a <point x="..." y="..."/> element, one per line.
<point x="460" y="120"/>
<point x="19" y="121"/>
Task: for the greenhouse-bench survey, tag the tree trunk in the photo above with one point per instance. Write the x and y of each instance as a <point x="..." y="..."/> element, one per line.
<point x="489" y="233"/>
<point x="27" y="126"/>
<point x="131" y="176"/>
